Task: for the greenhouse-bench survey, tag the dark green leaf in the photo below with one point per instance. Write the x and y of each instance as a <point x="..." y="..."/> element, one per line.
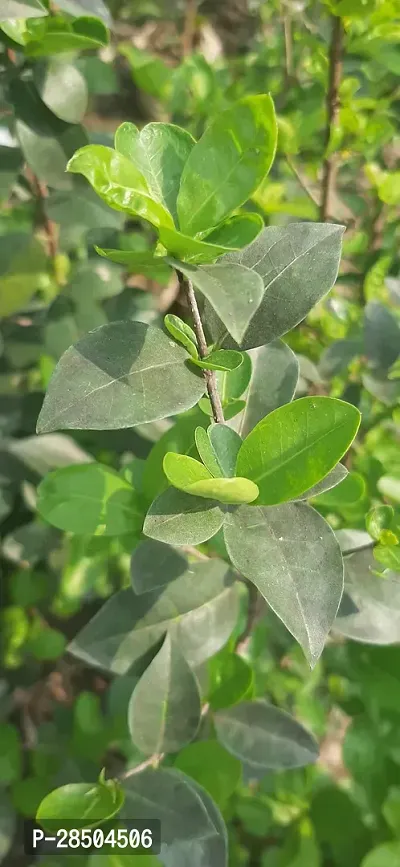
<point x="119" y="375"/>
<point x="264" y="735"/>
<point x="8" y="822"/>
<point x="296" y="446"/>
<point x="231" y="680"/>
<point x="199" y="610"/>
<point x="10" y="754"/>
<point x="89" y="499"/>
<point x="298" y="265"/>
<point x="164" y="711"/>
<point x="381" y="336"/>
<point x="377" y="620"/>
<point x="228" y="163"/>
<point x="179" y="518"/>
<point x="189" y="249"/>
<point x="233" y="383"/>
<point x="160" y="152"/>
<point x="209" y="851"/>
<point x="274" y="375"/>
<point x="291" y="554"/>
<point x="119" y="183"/>
<point x="234" y="292"/>
<point x="155" y="564"/>
<point x="206" y="452"/>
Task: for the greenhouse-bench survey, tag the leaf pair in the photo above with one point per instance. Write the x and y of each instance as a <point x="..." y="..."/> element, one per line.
<point x="214" y="478"/>
<point x="185" y="188"/>
<point x="218" y="359"/>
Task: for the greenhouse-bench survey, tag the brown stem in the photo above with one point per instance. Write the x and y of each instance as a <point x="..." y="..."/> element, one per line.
<point x="209" y="375"/>
<point x="189" y="28"/>
<point x="40" y="193"/>
<point x="332" y="108"/>
<point x="253" y="613"/>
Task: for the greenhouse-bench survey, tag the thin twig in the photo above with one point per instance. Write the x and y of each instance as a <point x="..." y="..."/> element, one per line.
<point x="189" y="27"/>
<point x="152" y="762"/>
<point x="332" y="109"/>
<point x="253" y="613"/>
<point x="209" y="375"/>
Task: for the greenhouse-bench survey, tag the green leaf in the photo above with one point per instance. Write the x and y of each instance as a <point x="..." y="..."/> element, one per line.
<point x="60" y="36"/>
<point x="231" y="680"/>
<point x="179" y="518"/>
<point x="145" y="263"/>
<point x="348" y="492"/>
<point x="337" y="475"/>
<point x="80" y="805"/>
<point x="119" y="183"/>
<point x="220" y="359"/>
<point x="212" y="767"/>
<point x="377" y="600"/>
<point x="178" y="438"/>
<point x="299" y="265"/>
<point x="274" y="376"/>
<point x="62" y="88"/>
<point x="291" y="554"/>
<point x="182" y="332"/>
<point x="384" y="855"/>
<point x="164" y="711"/>
<point x="234" y="292"/>
<point x="10" y="754"/>
<point x="182" y="471"/>
<point x="226" y="444"/>
<point x="379" y="518"/>
<point x="210" y="850"/>
<point x="45" y="643"/>
<point x="154" y="564"/>
<point x="233" y="383"/>
<point x="189" y="249"/>
<point x="206" y="452"/>
<point x="22" y="9"/>
<point x="296" y="446"/>
<point x="89" y="499"/>
<point x="166" y="795"/>
<point x="87" y="7"/>
<point x="8" y="823"/>
<point x="265" y="736"/>
<point x="159" y="151"/>
<point x="228" y="163"/>
<point x="119" y="375"/>
<point x="22" y="261"/>
<point x="199" y="610"/>
<point x="237" y="232"/>
<point x="381" y="336"/>
<point x="230" y="491"/>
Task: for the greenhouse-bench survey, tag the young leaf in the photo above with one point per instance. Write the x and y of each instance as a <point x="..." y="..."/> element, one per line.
<point x="145" y="263"/>
<point x="190" y="249"/>
<point x="179" y="518"/>
<point x="154" y="564"/>
<point x="182" y="471"/>
<point x="265" y="736"/>
<point x="180" y="439"/>
<point x="209" y="851"/>
<point x="80" y="805"/>
<point x="291" y="554"/>
<point x="119" y="183"/>
<point x="228" y="164"/>
<point x="231" y="680"/>
<point x="160" y="152"/>
<point x="230" y="491"/>
<point x="220" y="359"/>
<point x="199" y="610"/>
<point x="120" y="375"/>
<point x="206" y="452"/>
<point x="298" y="265"/>
<point x="234" y="292"/>
<point x="226" y="444"/>
<point x="296" y="446"/>
<point x="182" y="332"/>
<point x="164" y="711"/>
<point x="232" y="384"/>
<point x="274" y="376"/>
<point x="237" y="232"/>
<point x="89" y="499"/>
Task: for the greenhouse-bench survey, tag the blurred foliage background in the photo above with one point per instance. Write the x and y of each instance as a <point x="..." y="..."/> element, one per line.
<point x="70" y="72"/>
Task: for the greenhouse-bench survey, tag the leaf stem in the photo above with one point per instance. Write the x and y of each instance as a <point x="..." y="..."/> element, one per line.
<point x="209" y="375"/>
<point x="255" y="602"/>
<point x="332" y="107"/>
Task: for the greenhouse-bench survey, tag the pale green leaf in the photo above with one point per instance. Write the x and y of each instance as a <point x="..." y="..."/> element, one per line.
<point x="291" y="554"/>
<point x="164" y="710"/>
<point x="154" y="564"/>
<point x="62" y="88"/>
<point x="89" y="499"/>
<point x="22" y="9"/>
<point x="229" y="491"/>
<point x="226" y="444"/>
<point x="220" y="359"/>
<point x="274" y="375"/>
<point x="119" y="375"/>
<point x="182" y="471"/>
<point x="179" y="518"/>
<point x="80" y="805"/>
<point x="296" y="446"/>
<point x="206" y="452"/>
<point x="182" y="332"/>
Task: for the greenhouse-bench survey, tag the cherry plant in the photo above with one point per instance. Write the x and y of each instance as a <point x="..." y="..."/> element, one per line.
<point x="233" y="472"/>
